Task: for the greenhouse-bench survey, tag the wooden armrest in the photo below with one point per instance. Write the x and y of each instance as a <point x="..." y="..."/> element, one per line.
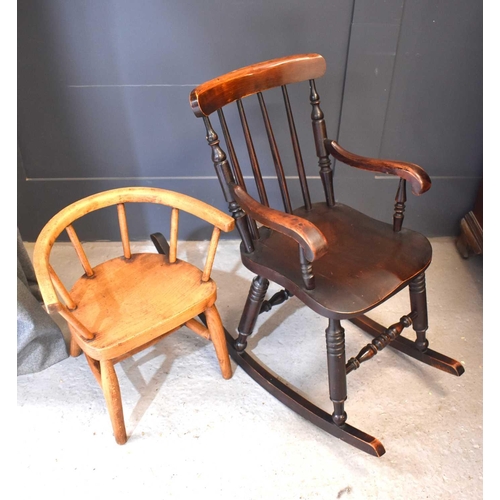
<point x="415" y="175"/>
<point x="80" y="329"/>
<point x="306" y="234"/>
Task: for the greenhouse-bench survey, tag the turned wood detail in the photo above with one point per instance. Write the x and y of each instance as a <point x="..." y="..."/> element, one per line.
<point x="226" y="179"/>
<point x="297" y="228"/>
<point x="408" y="347"/>
<point x="335" y="349"/>
<point x="251" y="311"/>
<point x="276" y="299"/>
<point x="319" y="132"/>
<point x="418" y="301"/>
<point x="306" y="270"/>
<point x="236" y="168"/>
<point x="399" y="206"/>
<point x="378" y="343"/>
<point x="349" y="263"/>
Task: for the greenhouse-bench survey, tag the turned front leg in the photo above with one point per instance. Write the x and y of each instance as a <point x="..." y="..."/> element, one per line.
<point x="418" y="301"/>
<point x="251" y="311"/>
<point x="335" y="348"/>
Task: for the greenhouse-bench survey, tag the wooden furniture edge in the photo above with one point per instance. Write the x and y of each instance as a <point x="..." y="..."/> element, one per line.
<point x="208" y="97"/>
<point x="414" y="174"/>
<point x="305" y="233"/>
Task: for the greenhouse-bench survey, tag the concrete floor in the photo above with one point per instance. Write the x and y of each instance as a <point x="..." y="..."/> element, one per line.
<point x="193" y="434"/>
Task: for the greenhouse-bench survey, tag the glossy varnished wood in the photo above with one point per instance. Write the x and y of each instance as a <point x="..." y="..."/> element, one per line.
<point x="366" y="261"/>
<point x="299" y="229"/>
<point x="212" y="95"/>
<point x="409" y="347"/>
<point x="337" y="261"/>
<point x="301" y="405"/>
<point x="414" y="174"/>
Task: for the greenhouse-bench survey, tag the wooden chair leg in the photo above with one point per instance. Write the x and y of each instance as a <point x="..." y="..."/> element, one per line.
<point x="305" y="408"/>
<point x="95" y="368"/>
<point x="337" y="375"/>
<point x="418" y="300"/>
<point x="218" y="338"/>
<point x="251" y="311"/>
<point x="111" y="390"/>
<point x="74" y="348"/>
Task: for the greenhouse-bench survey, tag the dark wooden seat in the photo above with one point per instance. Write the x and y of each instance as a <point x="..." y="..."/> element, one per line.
<point x="349" y="280"/>
<point x="339" y="262"/>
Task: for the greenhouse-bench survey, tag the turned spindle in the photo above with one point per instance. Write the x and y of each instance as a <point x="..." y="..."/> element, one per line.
<point x="226" y="180"/>
<point x="383" y="340"/>
<point x="276" y="299"/>
<point x="306" y="270"/>
<point x="319" y="132"/>
<point x="335" y="350"/>
<point x="251" y="310"/>
<point x="418" y="300"/>
<point x="399" y="207"/>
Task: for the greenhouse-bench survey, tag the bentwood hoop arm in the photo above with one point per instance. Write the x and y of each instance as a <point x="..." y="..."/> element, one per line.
<point x="338" y="261"/>
<point x="66" y="217"/>
<point x="128" y="303"/>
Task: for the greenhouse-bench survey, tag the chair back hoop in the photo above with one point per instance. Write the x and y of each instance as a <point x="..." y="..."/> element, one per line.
<point x="64" y="219"/>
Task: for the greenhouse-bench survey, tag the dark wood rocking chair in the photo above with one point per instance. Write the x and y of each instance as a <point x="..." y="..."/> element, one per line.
<point x="336" y="260"/>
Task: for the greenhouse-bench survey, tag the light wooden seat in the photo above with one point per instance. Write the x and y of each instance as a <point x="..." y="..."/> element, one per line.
<point x="121" y="306"/>
<point x="175" y="293"/>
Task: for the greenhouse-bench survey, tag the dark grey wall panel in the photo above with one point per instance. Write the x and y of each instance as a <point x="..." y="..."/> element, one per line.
<point x="103" y="98"/>
<point x="434" y="117"/>
<point x="143" y="219"/>
<point x="441" y="207"/>
<point x="372" y="54"/>
<point x="103" y="89"/>
<point x="435" y="110"/>
<point x="414" y="93"/>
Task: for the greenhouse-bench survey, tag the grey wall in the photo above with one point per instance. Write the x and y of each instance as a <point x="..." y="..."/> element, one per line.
<point x="103" y="99"/>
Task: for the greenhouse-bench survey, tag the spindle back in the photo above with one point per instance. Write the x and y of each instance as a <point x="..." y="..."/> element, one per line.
<point x="47" y="278"/>
<point x="249" y="82"/>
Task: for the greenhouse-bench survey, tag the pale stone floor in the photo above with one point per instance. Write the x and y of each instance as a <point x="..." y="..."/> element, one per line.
<point x="193" y="434"/>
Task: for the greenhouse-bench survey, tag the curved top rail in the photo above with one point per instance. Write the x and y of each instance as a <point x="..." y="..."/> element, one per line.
<point x="104" y="199"/>
<point x="216" y="93"/>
